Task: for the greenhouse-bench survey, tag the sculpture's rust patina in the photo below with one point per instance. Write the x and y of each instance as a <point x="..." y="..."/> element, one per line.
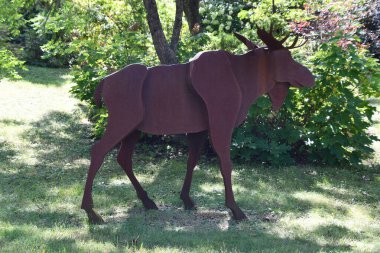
<point x="209" y="95"/>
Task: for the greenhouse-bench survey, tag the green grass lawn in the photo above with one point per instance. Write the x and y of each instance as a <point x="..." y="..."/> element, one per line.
<point x="44" y="151"/>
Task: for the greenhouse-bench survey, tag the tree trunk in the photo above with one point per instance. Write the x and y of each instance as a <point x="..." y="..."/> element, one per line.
<point x="191" y="9"/>
<point x="177" y="24"/>
<point x="166" y="52"/>
<point x="58" y="4"/>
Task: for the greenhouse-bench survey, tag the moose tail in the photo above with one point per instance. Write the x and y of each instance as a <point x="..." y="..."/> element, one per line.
<point x="98" y="93"/>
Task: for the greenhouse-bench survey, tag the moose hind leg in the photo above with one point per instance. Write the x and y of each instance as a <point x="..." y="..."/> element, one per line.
<point x="195" y="142"/>
<point x="124" y="158"/>
<point x="98" y="152"/>
<point x="87" y="202"/>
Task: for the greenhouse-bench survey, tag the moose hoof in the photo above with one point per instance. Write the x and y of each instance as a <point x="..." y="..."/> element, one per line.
<point x="238" y="215"/>
<point x="189" y="204"/>
<point x="149" y="204"/>
<point x="94" y="217"/>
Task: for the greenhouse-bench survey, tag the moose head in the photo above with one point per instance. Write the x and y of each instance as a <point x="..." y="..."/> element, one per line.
<point x="286" y="71"/>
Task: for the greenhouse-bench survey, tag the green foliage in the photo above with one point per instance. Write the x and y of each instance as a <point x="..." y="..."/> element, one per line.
<point x="221" y="16"/>
<point x="190" y="45"/>
<point x="11" y="18"/>
<point x="264" y="137"/>
<point x="10" y="22"/>
<point x="9" y="64"/>
<point x="18" y="36"/>
<point x="338" y="113"/>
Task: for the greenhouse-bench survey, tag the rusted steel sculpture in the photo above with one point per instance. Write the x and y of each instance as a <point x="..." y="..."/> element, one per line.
<point x="211" y="94"/>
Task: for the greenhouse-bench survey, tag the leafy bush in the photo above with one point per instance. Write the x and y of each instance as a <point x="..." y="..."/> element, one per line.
<point x="9" y="64"/>
<point x="265" y="137"/>
<point x="18" y="35"/>
<point x="338" y="111"/>
<point x="10" y="22"/>
<point x="221" y="16"/>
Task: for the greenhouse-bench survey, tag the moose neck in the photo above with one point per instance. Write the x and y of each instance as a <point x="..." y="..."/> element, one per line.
<point x="253" y="73"/>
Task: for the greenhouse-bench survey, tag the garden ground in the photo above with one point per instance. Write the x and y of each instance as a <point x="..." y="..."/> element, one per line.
<point x="44" y="147"/>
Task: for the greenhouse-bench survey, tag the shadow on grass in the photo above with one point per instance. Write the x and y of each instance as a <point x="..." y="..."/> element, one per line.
<point x="60" y="144"/>
<point x="7" y="153"/>
<point x="43" y="218"/>
<point x="11" y="122"/>
<point x="335" y="232"/>
<point x="59" y="138"/>
<point x="204" y="241"/>
<point x="45" y="76"/>
<point x="48" y="245"/>
<point x="47" y="193"/>
<point x="61" y="245"/>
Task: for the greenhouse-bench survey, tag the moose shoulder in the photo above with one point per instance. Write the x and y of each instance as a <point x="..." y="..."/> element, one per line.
<point x="210" y="95"/>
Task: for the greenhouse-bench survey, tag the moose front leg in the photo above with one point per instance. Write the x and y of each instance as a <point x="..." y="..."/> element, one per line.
<point x="221" y="144"/>
<point x="226" y="170"/>
<point x="222" y="95"/>
<point x="195" y="141"/>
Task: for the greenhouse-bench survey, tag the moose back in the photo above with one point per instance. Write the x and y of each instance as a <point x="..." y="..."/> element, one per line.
<point x="210" y="95"/>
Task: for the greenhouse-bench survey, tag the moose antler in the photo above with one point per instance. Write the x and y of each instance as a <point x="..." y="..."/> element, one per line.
<point x="294" y="45"/>
<point x="246" y="41"/>
<point x="274" y="44"/>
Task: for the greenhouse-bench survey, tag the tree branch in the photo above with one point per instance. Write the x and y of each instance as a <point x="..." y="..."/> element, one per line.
<point x="191" y="9"/>
<point x="164" y="52"/>
<point x="177" y="25"/>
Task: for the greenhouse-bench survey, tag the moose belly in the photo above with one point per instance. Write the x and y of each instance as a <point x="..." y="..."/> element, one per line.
<point x="171" y="106"/>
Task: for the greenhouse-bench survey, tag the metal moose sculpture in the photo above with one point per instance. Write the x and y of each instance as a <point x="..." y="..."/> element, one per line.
<point x="211" y="94"/>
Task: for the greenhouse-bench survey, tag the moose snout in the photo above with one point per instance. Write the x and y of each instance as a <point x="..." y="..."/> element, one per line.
<point x="309" y="81"/>
<point x="304" y="77"/>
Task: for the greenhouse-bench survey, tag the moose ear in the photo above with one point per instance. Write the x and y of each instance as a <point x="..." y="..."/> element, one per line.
<point x="246" y="41"/>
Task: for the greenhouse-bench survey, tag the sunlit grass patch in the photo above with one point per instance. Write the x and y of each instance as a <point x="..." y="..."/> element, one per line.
<point x="31" y="97"/>
<point x="331" y="221"/>
<point x="325" y="204"/>
<point x="41" y="76"/>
